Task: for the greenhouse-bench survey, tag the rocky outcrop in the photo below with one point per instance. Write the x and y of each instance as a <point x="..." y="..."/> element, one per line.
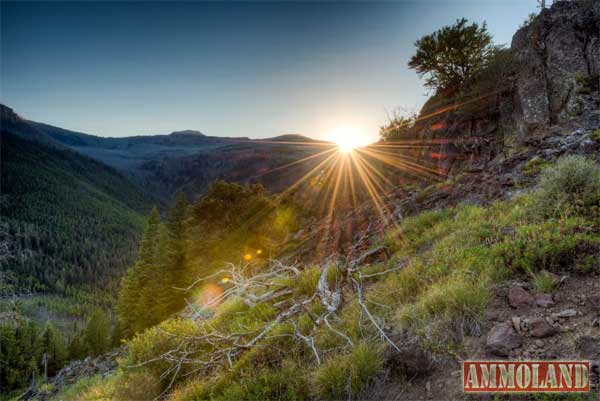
<point x="558" y="56"/>
<point x="103" y="365"/>
<point x="548" y="82"/>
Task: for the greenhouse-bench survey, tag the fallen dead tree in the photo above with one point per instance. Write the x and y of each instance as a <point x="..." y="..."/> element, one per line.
<point x="213" y="348"/>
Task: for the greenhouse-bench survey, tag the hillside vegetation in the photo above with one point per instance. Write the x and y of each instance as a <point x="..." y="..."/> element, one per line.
<point x="334" y="332"/>
<point x="68" y="222"/>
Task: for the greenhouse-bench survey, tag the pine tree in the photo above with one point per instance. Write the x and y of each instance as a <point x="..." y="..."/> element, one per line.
<point x="96" y="335"/>
<point x="136" y="308"/>
<point x="175" y="274"/>
<point x="53" y="347"/>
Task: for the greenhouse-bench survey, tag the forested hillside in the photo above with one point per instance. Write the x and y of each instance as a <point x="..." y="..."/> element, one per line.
<point x="67" y="221"/>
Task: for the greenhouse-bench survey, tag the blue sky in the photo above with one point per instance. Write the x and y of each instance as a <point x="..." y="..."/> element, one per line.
<point x="226" y="69"/>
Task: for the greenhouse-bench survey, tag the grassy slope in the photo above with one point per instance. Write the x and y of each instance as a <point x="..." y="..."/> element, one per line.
<point x="451" y="260"/>
<point x="81" y="218"/>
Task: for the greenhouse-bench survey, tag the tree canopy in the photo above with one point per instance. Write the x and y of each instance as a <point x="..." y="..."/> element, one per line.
<point x="451" y="55"/>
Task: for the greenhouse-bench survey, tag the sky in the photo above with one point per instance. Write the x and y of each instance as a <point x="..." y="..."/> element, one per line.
<point x="225" y="69"/>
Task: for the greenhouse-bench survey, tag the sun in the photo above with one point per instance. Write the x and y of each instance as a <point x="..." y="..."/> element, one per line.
<point x="348" y="138"/>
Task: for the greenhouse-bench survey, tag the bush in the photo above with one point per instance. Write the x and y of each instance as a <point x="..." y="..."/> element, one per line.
<point x="552" y="245"/>
<point x="543" y="282"/>
<point x="137" y="386"/>
<point x="570" y="188"/>
<point x="349" y="374"/>
<point x="157" y="340"/>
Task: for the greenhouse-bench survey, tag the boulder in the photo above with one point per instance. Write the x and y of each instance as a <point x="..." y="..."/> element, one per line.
<point x="540" y="328"/>
<point x="502" y="338"/>
<point x="519" y="297"/>
<point x="544" y="300"/>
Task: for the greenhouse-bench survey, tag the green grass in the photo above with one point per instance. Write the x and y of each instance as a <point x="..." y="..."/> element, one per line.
<point x="543" y="282"/>
<point x="450" y="259"/>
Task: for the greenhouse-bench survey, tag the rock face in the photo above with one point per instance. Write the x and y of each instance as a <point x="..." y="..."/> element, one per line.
<point x="559" y="61"/>
<point x="549" y="83"/>
<point x="502" y="338"/>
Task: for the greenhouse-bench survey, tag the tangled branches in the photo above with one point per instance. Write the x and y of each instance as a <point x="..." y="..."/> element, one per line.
<point x="217" y="343"/>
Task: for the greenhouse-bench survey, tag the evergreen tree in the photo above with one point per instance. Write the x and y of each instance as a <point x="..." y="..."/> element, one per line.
<point x="136" y="307"/>
<point x="76" y="348"/>
<point x="96" y="335"/>
<point x="175" y="274"/>
<point x="53" y="347"/>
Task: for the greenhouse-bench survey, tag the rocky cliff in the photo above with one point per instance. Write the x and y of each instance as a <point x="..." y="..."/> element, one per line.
<point x="546" y="82"/>
<point x="559" y="64"/>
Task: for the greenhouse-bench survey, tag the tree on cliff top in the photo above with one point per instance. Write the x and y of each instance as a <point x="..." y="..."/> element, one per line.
<point x="452" y="54"/>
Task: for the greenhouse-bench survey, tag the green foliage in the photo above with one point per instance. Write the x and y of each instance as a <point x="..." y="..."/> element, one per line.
<point x="543" y="282"/>
<point x="54" y="348"/>
<point x="75" y="219"/>
<point x="347" y="375"/>
<point x="158" y="340"/>
<point x="551" y="245"/>
<point x="145" y="290"/>
<point x="137" y="385"/>
<point x="446" y="262"/>
<point x="399" y="127"/>
<point x="92" y="388"/>
<point x="570" y="188"/>
<point x="595" y="135"/>
<point x="452" y="54"/>
<point x="268" y="384"/>
<point x="535" y="166"/>
<point x="20" y="355"/>
<point x="96" y="336"/>
<point x="230" y="222"/>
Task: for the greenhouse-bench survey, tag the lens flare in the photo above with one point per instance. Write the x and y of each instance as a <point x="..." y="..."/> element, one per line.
<point x="348" y="138"/>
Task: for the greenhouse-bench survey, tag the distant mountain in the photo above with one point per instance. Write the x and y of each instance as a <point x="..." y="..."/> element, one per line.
<point x="73" y="204"/>
<point x="189" y="160"/>
<point x="297" y="138"/>
<point x="67" y="221"/>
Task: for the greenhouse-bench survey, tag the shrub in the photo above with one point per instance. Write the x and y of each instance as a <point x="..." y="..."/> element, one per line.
<point x="287" y="383"/>
<point x="595" y="135"/>
<point x="570" y="188"/>
<point x="92" y="388"/>
<point x="349" y="374"/>
<point x="137" y="386"/>
<point x="157" y="340"/>
<point x="543" y="282"/>
<point x="551" y="245"/>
